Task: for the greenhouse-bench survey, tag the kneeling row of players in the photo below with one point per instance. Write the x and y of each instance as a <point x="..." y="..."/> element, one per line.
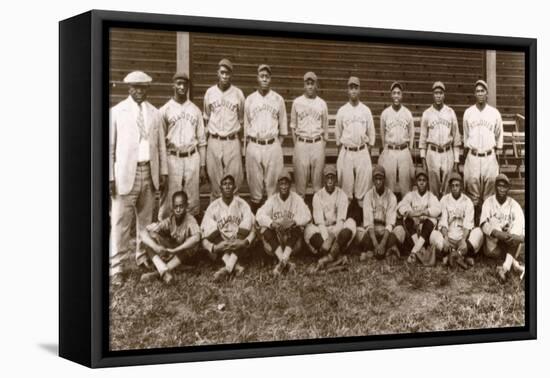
<point x="427" y="227"/>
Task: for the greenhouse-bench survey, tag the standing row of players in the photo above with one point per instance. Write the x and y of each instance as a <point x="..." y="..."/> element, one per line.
<point x="150" y="148"/>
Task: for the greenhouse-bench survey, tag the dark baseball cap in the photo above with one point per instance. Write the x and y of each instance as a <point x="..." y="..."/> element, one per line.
<point x="502" y="177"/>
<point x="284" y="175"/>
<point x="229" y="175"/>
<point x="310" y="76"/>
<point x="421" y="172"/>
<point x="181" y="76"/>
<point x="226" y="63"/>
<point x="455" y="176"/>
<point x="329" y="170"/>
<point x="396" y="84"/>
<point x="378" y="170"/>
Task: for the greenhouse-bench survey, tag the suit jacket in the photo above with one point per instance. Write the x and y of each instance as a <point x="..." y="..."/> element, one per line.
<point x="124" y="144"/>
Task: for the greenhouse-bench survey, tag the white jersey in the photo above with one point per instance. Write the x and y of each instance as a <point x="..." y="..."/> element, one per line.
<point x="482" y="128"/>
<point x="224" y="110"/>
<point x="354" y="126"/>
<point x="183" y="125"/>
<point x="294" y="208"/>
<point x="440" y="128"/>
<point x="457" y="215"/>
<point x="413" y="201"/>
<point x="265" y="116"/>
<point x="309" y="116"/>
<point x="227" y="219"/>
<point x="396" y="127"/>
<point x="379" y="209"/>
<point x="329" y="209"/>
<point x="507" y="217"/>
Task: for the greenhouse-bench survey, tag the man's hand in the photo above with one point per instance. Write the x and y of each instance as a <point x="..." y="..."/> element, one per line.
<point x="379" y="250"/>
<point x="462" y="247"/>
<point x="162" y="182"/>
<point x="203" y="178"/>
<point x="112" y="188"/>
<point x="286" y="224"/>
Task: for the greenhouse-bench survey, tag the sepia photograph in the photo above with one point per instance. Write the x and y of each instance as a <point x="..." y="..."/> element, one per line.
<point x="267" y="188"/>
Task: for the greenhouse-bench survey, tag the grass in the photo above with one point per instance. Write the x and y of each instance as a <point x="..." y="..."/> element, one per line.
<point x="369" y="298"/>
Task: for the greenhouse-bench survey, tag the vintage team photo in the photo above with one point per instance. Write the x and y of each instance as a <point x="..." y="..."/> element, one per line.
<point x="268" y="189"/>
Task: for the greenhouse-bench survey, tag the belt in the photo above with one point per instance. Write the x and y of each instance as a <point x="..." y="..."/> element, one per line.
<point x="307" y="140"/>
<point x="142" y="163"/>
<point x="355" y="148"/>
<point x="436" y="148"/>
<point x="481" y="154"/>
<point x="182" y="154"/>
<point x="261" y="141"/>
<point x="229" y="137"/>
<point x="398" y="146"/>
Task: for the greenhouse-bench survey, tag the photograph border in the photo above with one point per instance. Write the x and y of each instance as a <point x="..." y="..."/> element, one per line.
<point x="84" y="195"/>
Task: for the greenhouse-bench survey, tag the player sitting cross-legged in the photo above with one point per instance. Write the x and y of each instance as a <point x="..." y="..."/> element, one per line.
<point x="331" y="233"/>
<point x="281" y="220"/>
<point x="171" y="241"/>
<point x="228" y="229"/>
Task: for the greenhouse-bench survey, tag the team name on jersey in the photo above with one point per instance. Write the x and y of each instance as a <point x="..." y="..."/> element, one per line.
<point x="267" y="108"/>
<point x="184" y="116"/>
<point x="309" y="113"/>
<point x="284" y="214"/>
<point x="440" y="121"/>
<point x="456" y="214"/>
<point x="482" y="123"/>
<point x="354" y="120"/>
<point x="503" y="219"/>
<point x="397" y="122"/>
<point x="223" y="103"/>
<point x="233" y="219"/>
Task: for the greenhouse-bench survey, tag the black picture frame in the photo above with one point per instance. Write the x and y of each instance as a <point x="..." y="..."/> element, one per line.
<point x="83" y="196"/>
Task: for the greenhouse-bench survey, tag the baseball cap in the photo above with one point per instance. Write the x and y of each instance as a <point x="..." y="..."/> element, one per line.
<point x="455" y="176"/>
<point x="310" y="76"/>
<point x="438" y="84"/>
<point x="378" y="170"/>
<point x="180" y="75"/>
<point x="228" y="175"/>
<point x="329" y="170"/>
<point x="421" y="172"/>
<point x="264" y="67"/>
<point x="396" y="84"/>
<point x="226" y="63"/>
<point x="354" y="80"/>
<point x="481" y="82"/>
<point x="284" y="175"/>
<point x="137" y="77"/>
<point x="502" y="177"/>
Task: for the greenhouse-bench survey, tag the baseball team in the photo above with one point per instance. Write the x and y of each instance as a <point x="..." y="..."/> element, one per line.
<point x="424" y="215"/>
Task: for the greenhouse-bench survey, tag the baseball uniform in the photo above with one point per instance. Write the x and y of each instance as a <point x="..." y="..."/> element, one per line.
<point x="397" y="134"/>
<point x="482" y="133"/>
<point x="309" y="120"/>
<point x="440" y="145"/>
<point x="329" y="219"/>
<point x="185" y="133"/>
<point x="223" y="112"/>
<point x="506" y="217"/>
<point x="354" y="132"/>
<point x="264" y="121"/>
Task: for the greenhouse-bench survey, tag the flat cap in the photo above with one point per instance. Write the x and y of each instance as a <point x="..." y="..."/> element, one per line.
<point x="226" y="63"/>
<point x="502" y="177"/>
<point x="180" y="76"/>
<point x="438" y="84"/>
<point x="263" y="67"/>
<point x="354" y="80"/>
<point x="420" y="172"/>
<point x="455" y="176"/>
<point x="396" y="84"/>
<point x="329" y="170"/>
<point x="310" y="76"/>
<point x="284" y="175"/>
<point x="482" y="83"/>
<point x="378" y="170"/>
<point x="137" y="77"/>
<point x="228" y="175"/>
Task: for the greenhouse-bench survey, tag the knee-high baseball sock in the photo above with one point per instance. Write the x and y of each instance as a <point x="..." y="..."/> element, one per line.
<point x="279" y="253"/>
<point x="508" y="262"/>
<point x="173" y="263"/>
<point x="230" y="259"/>
<point x="286" y="253"/>
<point x="159" y="264"/>
<point x="418" y="244"/>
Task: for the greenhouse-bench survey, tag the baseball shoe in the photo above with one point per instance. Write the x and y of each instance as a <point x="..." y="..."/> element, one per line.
<point x="220" y="274"/>
<point x="149" y="276"/>
<point x="518" y="268"/>
<point x="469" y="261"/>
<point x="239" y="270"/>
<point x="393" y="255"/>
<point x="277" y="270"/>
<point x="412" y="258"/>
<point x="168" y="278"/>
<point x="291" y="267"/>
<point x="366" y="255"/>
<point x="501" y="274"/>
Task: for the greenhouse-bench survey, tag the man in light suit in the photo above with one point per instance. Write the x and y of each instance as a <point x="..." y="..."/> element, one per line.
<point x="137" y="168"/>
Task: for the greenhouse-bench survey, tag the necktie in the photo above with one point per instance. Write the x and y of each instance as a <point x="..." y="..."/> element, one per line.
<point x="141" y="124"/>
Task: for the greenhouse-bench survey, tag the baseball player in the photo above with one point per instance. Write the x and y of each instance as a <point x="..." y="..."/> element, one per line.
<point x="397" y="135"/>
<point x="265" y="126"/>
<point x="309" y="125"/>
<point x="228" y="229"/>
<point x="439" y="141"/>
<point x="457" y="238"/>
<point x="281" y="220"/>
<point x="378" y="236"/>
<point x="355" y="135"/>
<point x="223" y="114"/>
<point x="331" y="233"/>
<point x="185" y="147"/>
<point x="137" y="168"/>
<point x="420" y="210"/>
<point x="483" y="132"/>
<point x="503" y="224"/>
<point x="171" y="241"/>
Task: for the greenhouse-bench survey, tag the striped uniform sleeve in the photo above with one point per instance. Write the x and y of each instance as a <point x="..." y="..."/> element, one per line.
<point x="371" y="132"/>
<point x="283" y="121"/>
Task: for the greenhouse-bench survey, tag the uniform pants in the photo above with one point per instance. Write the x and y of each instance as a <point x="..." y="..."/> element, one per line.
<point x="440" y="165"/>
<point x="290" y="238"/>
<point x="140" y="202"/>
<point x="182" y="170"/>
<point x="475" y="239"/>
<point x="309" y="162"/>
<point x="264" y="163"/>
<point x="354" y="173"/>
<point x="479" y="177"/>
<point x="399" y="169"/>
<point x="333" y="231"/>
<point x="223" y="157"/>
